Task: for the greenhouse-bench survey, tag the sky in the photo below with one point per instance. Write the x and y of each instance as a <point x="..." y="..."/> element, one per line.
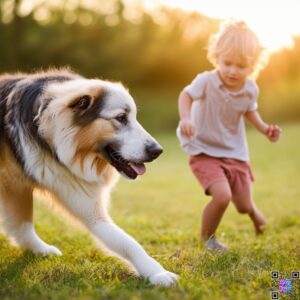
<point x="274" y="21"/>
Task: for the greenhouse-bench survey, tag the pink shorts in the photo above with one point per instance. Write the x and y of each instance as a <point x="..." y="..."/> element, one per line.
<point x="209" y="170"/>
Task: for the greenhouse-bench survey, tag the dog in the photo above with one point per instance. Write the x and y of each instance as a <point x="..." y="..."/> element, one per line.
<point x="72" y="137"/>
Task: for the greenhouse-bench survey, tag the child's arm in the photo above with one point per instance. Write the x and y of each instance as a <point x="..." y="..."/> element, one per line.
<point x="271" y="131"/>
<point x="184" y="106"/>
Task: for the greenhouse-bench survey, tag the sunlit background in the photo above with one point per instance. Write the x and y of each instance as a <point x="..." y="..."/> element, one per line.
<point x="276" y="22"/>
<point x="155" y="47"/>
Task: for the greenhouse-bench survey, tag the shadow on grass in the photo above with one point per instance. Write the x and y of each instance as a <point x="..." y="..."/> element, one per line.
<point x="30" y="276"/>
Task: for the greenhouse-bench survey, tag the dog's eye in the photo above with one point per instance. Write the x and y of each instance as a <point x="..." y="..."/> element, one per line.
<point x="81" y="103"/>
<point x="122" y="118"/>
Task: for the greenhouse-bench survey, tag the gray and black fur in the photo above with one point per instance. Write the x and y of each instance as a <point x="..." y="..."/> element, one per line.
<point x="20" y="103"/>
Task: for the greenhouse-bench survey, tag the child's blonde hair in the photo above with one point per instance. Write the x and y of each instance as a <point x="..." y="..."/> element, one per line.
<point x="235" y="37"/>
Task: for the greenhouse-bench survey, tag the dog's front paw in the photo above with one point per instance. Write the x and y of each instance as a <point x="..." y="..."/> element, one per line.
<point x="45" y="249"/>
<point x="164" y="278"/>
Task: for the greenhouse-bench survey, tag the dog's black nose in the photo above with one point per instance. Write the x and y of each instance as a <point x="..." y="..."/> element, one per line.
<point x="154" y="150"/>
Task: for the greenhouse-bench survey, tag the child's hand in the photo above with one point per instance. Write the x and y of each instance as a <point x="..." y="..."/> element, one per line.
<point x="187" y="128"/>
<point x="273" y="132"/>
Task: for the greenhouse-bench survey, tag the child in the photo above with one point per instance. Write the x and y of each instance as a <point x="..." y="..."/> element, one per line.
<point x="212" y="131"/>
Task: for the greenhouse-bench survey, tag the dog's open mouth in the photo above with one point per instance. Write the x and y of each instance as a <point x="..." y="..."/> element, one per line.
<point x="128" y="168"/>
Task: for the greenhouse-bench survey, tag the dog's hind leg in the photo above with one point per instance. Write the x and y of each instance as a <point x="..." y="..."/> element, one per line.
<point x="16" y="207"/>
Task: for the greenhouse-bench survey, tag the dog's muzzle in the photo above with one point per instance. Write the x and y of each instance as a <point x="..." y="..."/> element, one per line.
<point x="133" y="167"/>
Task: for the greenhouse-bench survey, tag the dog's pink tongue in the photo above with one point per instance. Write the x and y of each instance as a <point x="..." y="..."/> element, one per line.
<point x="140" y="169"/>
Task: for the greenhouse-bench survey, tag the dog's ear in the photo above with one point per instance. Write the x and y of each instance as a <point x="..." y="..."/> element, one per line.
<point x="81" y="103"/>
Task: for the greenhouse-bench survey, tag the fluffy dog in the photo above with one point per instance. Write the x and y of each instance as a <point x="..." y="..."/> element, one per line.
<point x="71" y="136"/>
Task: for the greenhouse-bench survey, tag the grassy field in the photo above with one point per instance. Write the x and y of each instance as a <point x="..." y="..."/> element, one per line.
<point x="162" y="211"/>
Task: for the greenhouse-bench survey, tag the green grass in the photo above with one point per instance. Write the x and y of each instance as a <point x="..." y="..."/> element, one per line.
<point x="162" y="211"/>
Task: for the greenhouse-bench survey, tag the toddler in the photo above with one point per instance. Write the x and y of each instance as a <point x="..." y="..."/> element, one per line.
<point x="211" y="130"/>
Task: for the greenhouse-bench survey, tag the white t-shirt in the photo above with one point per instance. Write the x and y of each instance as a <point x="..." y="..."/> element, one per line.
<point x="217" y="114"/>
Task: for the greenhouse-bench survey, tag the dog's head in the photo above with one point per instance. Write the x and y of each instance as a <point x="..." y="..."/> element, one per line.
<point x="93" y="123"/>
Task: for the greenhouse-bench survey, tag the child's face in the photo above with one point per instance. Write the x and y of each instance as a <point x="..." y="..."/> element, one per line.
<point x="233" y="71"/>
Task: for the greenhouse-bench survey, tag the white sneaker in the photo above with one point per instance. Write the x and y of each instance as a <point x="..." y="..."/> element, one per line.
<point x="213" y="244"/>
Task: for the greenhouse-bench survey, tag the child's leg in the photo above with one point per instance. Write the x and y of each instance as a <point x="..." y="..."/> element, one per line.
<point x="245" y="205"/>
<point x="213" y="212"/>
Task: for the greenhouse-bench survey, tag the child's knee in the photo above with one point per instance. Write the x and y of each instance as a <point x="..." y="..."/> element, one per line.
<point x="222" y="199"/>
<point x="245" y="209"/>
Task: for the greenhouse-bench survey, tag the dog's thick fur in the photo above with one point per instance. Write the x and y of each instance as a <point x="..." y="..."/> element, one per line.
<point x="71" y="136"/>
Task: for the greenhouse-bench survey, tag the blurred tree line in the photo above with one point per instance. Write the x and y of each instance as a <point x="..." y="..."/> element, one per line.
<point x="106" y="44"/>
<point x="112" y="40"/>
